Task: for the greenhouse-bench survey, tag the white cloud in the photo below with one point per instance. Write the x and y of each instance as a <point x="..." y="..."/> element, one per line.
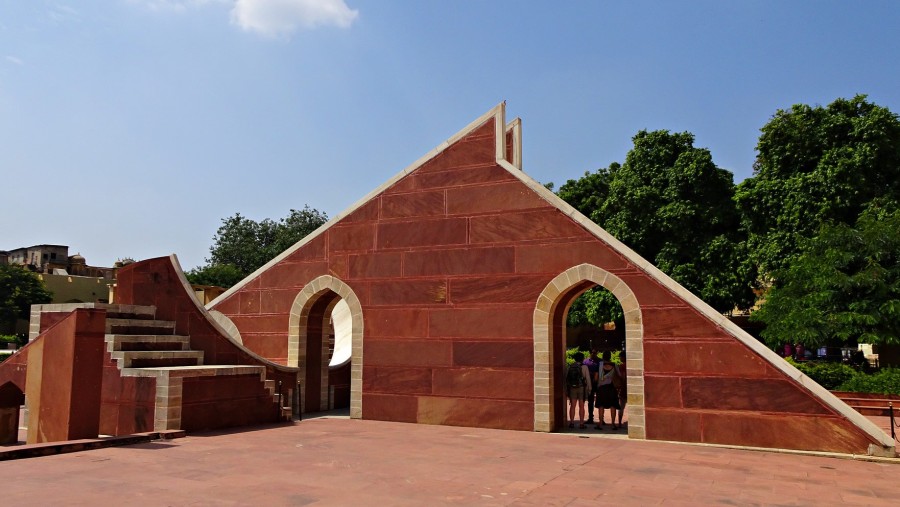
<point x="14" y="60"/>
<point x="281" y="17"/>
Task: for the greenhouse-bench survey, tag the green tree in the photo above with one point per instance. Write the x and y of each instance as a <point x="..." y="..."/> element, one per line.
<point x="674" y="207"/>
<point x="588" y="193"/>
<point x="817" y="165"/>
<point x="222" y="275"/>
<point x="596" y="306"/>
<point x="843" y="287"/>
<point x="242" y="245"/>
<point x="19" y="289"/>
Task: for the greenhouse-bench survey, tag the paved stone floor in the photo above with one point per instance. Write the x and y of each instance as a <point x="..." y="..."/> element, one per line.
<point x="337" y="461"/>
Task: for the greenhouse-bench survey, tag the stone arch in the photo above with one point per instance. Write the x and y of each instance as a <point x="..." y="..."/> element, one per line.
<point x="549" y="343"/>
<point x="311" y="307"/>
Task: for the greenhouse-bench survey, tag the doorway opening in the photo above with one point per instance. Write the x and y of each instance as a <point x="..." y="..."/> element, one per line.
<point x="551" y="339"/>
<point x="325" y="343"/>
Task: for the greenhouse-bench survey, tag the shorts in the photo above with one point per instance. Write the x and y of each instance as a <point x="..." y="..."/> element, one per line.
<point x="576" y="393"/>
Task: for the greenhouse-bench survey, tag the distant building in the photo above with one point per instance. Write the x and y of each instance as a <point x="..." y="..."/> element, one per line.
<point x="54" y="260"/>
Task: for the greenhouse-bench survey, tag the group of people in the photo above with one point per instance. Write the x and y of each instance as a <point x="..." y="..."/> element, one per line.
<point x="600" y="384"/>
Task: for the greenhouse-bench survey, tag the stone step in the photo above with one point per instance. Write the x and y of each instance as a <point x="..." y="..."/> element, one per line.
<point x="133" y="312"/>
<point x="140" y="326"/>
<point x="848" y="395"/>
<point x="206" y="370"/>
<point x="122" y="342"/>
<point x="157" y="358"/>
<point x="869" y="402"/>
<point x="880" y="411"/>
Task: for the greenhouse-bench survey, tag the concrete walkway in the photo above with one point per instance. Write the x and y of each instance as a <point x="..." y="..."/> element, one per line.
<point x="337" y="461"/>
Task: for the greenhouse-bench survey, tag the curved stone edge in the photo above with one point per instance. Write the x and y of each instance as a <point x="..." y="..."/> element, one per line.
<point x="233" y="332"/>
<point x="205" y="313"/>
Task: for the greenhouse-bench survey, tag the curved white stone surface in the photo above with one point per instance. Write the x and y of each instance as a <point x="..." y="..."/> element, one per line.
<point x="343" y="333"/>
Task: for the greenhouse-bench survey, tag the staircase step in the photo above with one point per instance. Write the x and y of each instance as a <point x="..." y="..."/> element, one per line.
<point x="869" y="402"/>
<point x="848" y="395"/>
<point x="133" y="312"/>
<point x="139" y="326"/>
<point x="881" y="411"/>
<point x="157" y="358"/>
<point x="121" y="342"/>
<point x="206" y="370"/>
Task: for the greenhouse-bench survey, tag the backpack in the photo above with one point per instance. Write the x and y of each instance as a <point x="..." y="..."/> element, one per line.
<point x="574" y="378"/>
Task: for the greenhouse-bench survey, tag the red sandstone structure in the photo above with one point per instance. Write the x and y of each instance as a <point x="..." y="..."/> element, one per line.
<point x="458" y="274"/>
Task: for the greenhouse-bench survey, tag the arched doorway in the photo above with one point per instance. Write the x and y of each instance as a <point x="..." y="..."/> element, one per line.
<point x="11" y="400"/>
<point x="312" y="344"/>
<point x="550" y="338"/>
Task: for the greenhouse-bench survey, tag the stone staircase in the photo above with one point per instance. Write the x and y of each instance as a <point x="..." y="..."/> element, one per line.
<point x="142" y="346"/>
<point x="871" y="404"/>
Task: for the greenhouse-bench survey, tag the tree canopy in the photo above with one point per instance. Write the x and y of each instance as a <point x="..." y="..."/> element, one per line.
<point x="242" y="245"/>
<point x="673" y="206"/>
<point x="19" y="289"/>
<point x="817" y="165"/>
<point x="843" y="287"/>
<point x="588" y="193"/>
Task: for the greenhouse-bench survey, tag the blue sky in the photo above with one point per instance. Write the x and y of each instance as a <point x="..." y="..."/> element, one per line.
<point x="130" y="128"/>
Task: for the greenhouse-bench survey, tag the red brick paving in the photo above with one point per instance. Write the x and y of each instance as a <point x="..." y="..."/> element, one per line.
<point x="344" y="462"/>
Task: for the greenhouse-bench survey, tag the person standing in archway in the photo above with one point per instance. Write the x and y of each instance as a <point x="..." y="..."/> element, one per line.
<point x="578" y="382"/>
<point x="593" y="364"/>
<point x="607" y="396"/>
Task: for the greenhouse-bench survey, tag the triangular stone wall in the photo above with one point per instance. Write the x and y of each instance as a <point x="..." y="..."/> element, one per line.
<point x="460" y="270"/>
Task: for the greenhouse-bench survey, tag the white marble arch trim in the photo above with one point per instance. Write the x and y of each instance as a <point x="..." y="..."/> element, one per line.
<point x="297" y="334"/>
<point x="545" y="307"/>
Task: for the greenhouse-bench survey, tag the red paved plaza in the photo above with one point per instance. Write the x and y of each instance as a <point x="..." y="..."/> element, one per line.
<point x="337" y="461"/>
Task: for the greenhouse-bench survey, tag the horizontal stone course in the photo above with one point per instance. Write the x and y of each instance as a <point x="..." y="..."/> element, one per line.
<point x="416" y="204"/>
<point x="422" y="233"/>
<point x="382" y="352"/>
<point x="459" y="261"/>
<point x="479" y="322"/>
<point x="522" y="226"/>
<point x="504" y="196"/>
